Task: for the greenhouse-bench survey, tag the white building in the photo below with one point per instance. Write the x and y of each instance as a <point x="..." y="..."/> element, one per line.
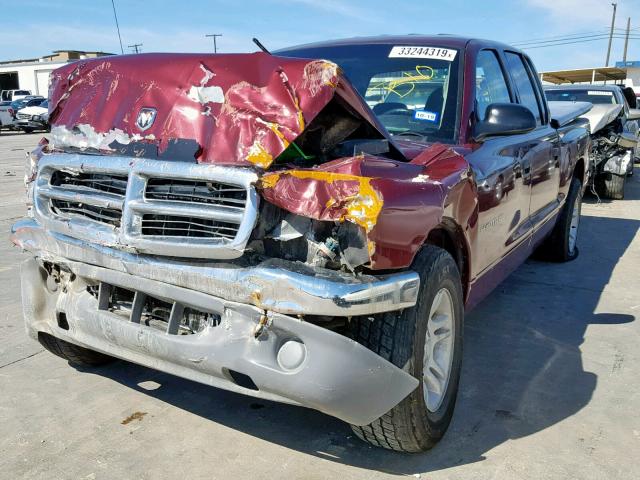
<point x="33" y="73"/>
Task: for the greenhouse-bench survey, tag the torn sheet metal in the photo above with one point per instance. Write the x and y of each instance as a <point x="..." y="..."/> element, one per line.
<point x="395" y="203"/>
<point x="241" y="109"/>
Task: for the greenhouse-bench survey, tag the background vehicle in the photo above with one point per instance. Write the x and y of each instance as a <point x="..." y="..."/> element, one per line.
<point x="34" y="117"/>
<point x="248" y="245"/>
<point x="6" y="118"/>
<point x="11" y="95"/>
<point x="9" y="110"/>
<point x="614" y="132"/>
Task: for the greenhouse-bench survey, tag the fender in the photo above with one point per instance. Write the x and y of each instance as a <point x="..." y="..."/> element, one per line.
<point x="396" y="203"/>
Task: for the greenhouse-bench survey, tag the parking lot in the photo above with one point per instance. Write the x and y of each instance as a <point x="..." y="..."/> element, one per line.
<point x="549" y="385"/>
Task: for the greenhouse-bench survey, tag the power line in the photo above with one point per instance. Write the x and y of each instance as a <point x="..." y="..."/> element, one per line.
<point x="591" y="38"/>
<point x="567" y="36"/>
<point x="602" y="35"/>
<point x="578" y="41"/>
<point x="135" y="46"/>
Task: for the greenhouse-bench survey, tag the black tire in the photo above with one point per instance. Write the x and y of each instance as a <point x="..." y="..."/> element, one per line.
<point x="556" y="248"/>
<point x="399" y="337"/>
<point x="27" y="130"/>
<point x="610" y="185"/>
<point x="73" y="353"/>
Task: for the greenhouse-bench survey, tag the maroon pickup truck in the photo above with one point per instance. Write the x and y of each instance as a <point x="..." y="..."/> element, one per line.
<point x="307" y="227"/>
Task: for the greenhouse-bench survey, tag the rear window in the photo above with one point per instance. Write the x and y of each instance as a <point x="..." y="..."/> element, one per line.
<point x="22" y="92"/>
<point x="586" y="95"/>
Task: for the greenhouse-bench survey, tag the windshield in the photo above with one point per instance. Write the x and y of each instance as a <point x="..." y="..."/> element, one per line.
<point x="586" y="95"/>
<point x="413" y="90"/>
<point x="26" y="102"/>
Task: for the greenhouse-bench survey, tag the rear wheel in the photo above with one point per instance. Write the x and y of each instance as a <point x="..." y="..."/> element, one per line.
<point x="610" y="185"/>
<point x="425" y="341"/>
<point x="73" y="353"/>
<point x="562" y="243"/>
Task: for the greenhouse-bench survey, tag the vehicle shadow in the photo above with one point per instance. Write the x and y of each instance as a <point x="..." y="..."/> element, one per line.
<point x="522" y="369"/>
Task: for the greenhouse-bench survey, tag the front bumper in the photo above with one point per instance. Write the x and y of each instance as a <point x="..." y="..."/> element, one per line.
<point x="30" y="124"/>
<point x="320" y="369"/>
<point x="275" y="285"/>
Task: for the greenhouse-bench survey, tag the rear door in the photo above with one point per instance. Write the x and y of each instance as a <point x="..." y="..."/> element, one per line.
<point x="541" y="148"/>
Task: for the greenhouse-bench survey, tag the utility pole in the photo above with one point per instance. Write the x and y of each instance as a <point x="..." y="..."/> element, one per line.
<point x="214" y="36"/>
<point x="626" y="39"/>
<point x="613" y="22"/>
<point x="135" y="47"/>
<point x="117" y="26"/>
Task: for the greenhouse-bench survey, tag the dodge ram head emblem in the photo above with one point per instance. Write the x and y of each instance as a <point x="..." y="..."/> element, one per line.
<point x="146" y="117"/>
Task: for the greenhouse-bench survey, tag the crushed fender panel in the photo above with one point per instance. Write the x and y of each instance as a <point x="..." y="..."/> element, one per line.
<point x="395" y="203"/>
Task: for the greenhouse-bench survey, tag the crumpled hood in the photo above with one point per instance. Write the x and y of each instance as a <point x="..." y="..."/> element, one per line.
<point x="234" y="109"/>
<point x="602" y="115"/>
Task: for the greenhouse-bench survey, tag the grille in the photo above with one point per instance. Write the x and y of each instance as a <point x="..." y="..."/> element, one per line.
<point x="116" y="184"/>
<point x="66" y="209"/>
<point x="174" y="209"/>
<point x="191" y="227"/>
<point x="211" y="193"/>
<point x="23" y="116"/>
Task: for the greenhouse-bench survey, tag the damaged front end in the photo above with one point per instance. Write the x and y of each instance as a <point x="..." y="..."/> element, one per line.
<point x="223" y="218"/>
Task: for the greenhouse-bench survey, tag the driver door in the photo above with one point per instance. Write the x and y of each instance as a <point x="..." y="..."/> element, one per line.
<point x="503" y="173"/>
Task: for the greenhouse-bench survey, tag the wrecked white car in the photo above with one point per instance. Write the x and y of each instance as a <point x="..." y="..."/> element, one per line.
<point x="614" y="132"/>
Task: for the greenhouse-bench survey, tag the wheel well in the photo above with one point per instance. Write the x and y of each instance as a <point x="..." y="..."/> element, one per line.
<point x="578" y="170"/>
<point x="449" y="237"/>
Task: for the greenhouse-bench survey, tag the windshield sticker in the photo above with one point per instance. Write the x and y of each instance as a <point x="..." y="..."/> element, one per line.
<point x="600" y="92"/>
<point x="406" y="84"/>
<point x="423" y="52"/>
<point x="426" y="116"/>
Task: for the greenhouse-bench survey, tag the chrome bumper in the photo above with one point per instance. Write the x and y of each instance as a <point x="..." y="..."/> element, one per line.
<point x="291" y="361"/>
<point x="275" y="285"/>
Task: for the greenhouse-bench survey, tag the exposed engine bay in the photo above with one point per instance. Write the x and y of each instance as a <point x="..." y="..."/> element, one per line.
<point x="612" y="146"/>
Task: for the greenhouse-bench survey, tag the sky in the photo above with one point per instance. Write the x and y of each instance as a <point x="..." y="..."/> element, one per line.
<point x="38" y="27"/>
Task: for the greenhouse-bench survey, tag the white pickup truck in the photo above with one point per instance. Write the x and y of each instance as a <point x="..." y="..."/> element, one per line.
<point x="11" y="95"/>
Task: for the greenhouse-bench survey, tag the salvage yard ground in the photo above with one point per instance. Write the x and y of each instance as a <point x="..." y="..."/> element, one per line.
<point x="549" y="385"/>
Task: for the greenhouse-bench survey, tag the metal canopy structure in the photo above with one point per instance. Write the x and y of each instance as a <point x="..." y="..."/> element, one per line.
<point x="585" y="75"/>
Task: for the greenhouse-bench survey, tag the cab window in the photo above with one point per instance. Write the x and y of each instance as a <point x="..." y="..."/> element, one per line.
<point x="491" y="86"/>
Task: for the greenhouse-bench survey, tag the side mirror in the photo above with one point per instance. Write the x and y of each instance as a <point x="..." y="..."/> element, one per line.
<point x="634" y="114"/>
<point x="504" y="119"/>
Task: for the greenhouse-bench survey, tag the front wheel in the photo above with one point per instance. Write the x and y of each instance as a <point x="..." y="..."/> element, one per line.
<point x="425" y="341"/>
